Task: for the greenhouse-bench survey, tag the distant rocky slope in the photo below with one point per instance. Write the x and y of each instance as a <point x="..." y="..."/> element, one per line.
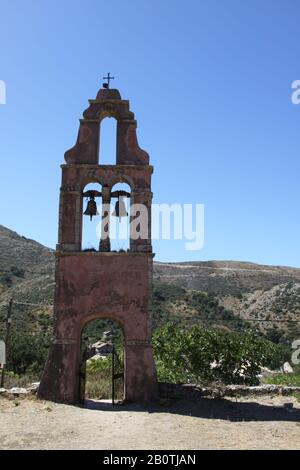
<point x="22" y="259"/>
<point x="245" y="290"/>
<point x="268" y="296"/>
<point x="223" y="278"/>
<point x="26" y="275"/>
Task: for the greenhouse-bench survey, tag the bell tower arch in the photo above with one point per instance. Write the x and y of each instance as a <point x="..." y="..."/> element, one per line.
<point x="103" y="283"/>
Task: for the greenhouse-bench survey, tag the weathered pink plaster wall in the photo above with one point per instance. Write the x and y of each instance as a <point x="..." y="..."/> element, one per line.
<point x="101" y="285"/>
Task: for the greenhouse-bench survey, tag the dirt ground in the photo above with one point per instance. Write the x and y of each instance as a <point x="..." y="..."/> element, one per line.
<point x="244" y="423"/>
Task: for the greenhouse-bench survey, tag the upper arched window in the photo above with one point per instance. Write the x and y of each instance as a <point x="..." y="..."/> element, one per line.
<point x="108" y="142"/>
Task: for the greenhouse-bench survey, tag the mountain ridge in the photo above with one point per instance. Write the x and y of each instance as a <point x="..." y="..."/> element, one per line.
<point x="249" y="290"/>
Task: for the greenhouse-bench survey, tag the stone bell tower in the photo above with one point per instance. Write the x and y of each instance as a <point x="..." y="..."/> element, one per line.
<point x="102" y="284"/>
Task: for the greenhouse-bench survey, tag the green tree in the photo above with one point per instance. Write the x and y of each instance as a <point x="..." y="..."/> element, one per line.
<point x="203" y="355"/>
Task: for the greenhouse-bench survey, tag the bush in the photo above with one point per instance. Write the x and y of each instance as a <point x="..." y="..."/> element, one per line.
<point x="18" y="272"/>
<point x="99" y="379"/>
<point x="6" y="279"/>
<point x="27" y="352"/>
<point x="202" y="355"/>
<point x="25" y="380"/>
<point x="290" y="380"/>
<point x="205" y="307"/>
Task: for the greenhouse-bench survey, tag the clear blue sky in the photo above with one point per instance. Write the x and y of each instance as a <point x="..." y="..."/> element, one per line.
<point x="210" y="84"/>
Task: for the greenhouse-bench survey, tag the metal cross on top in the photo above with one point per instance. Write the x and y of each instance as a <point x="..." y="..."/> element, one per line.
<point x="108" y="78"/>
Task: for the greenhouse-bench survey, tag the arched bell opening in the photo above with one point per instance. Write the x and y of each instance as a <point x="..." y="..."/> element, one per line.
<point x="108" y="141"/>
<point x="120" y="217"/>
<point x="102" y="361"/>
<point x="92" y="203"/>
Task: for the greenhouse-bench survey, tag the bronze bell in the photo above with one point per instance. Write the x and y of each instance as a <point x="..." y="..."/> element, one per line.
<point x="91" y="208"/>
<point x="120" y="209"/>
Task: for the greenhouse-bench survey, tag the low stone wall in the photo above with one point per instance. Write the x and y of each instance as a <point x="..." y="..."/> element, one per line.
<point x="19" y="391"/>
<point x="167" y="390"/>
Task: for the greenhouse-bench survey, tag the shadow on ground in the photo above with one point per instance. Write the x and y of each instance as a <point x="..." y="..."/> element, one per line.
<point x="208" y="408"/>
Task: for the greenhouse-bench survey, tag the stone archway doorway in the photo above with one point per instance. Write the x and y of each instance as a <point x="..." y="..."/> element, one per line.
<point x="102" y="371"/>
